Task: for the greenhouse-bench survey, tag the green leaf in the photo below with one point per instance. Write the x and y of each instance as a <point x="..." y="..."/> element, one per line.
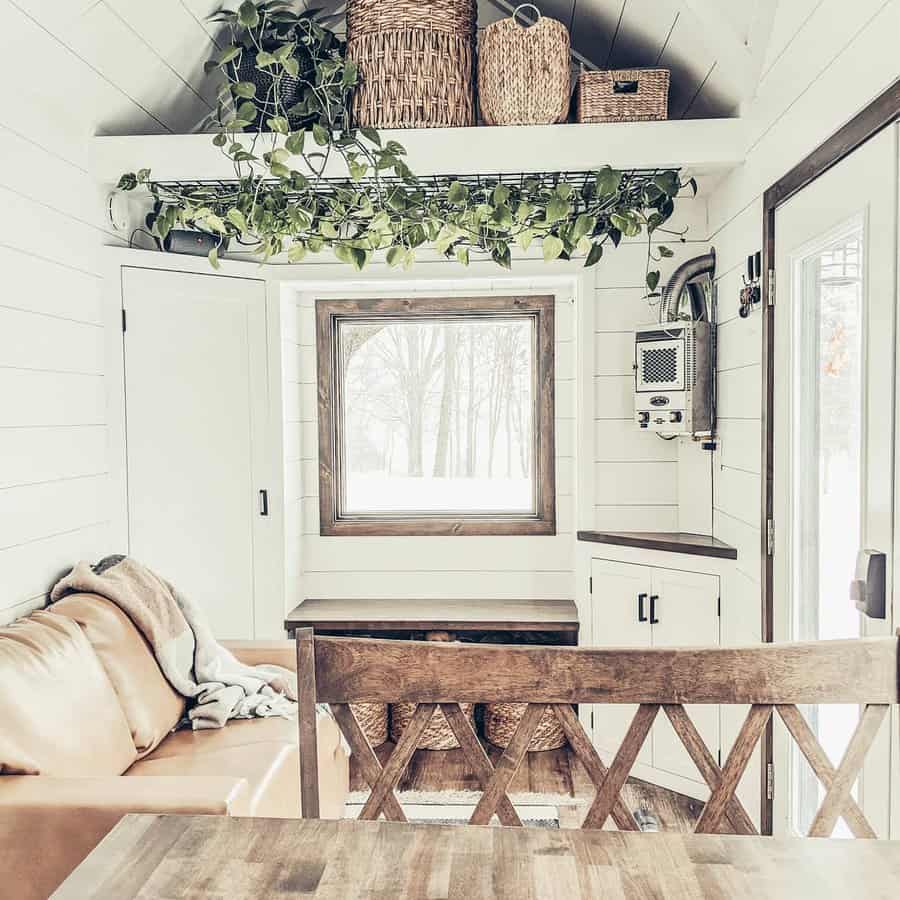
<point x="128" y="182"/>
<point x="608" y="181"/>
<point x="501" y="255"/>
<point x="652" y="280"/>
<point x="280" y="170"/>
<point x="320" y="135"/>
<point x="247" y="14"/>
<point x="552" y="247"/>
<point x="264" y="59"/>
<point x="213" y="257"/>
<point x="525" y="237"/>
<point x="557" y="209"/>
<point x="296" y="252"/>
<point x="665" y="252"/>
<point x="220" y="139"/>
<point x="294" y="142"/>
<point x="246" y="111"/>
<point x="462" y="255"/>
<point x="457" y="193"/>
<point x="291" y="66"/>
<point x="500" y="195"/>
<point x="213" y="221"/>
<point x="278" y="124"/>
<point x="395" y="256"/>
<point x="370" y="134"/>
<point x="594" y="256"/>
<point x="668" y="183"/>
<point x="351" y="74"/>
<point x="227" y="55"/>
<point x="236" y="217"/>
<point x="327" y="229"/>
<point x="584" y="225"/>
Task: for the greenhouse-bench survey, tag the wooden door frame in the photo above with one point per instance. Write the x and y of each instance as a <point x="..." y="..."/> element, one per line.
<point x="879" y="114"/>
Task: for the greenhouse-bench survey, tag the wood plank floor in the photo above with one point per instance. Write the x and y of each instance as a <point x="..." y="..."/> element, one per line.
<point x="550" y="772"/>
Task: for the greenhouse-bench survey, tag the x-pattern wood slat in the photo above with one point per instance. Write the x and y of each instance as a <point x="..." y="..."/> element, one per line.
<point x="590" y="759"/>
<point x="397" y="761"/>
<point x="730" y="776"/>
<point x="838" y="792"/>
<point x="822" y="768"/>
<point x="509" y="763"/>
<point x="477" y="758"/>
<point x="365" y="756"/>
<point x="737" y="816"/>
<point x="609" y="790"/>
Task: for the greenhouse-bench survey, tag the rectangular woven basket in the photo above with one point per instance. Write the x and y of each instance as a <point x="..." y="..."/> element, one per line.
<point x="623" y="95"/>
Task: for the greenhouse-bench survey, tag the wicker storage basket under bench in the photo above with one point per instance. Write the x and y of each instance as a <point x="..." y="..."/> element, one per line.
<point x="623" y="95"/>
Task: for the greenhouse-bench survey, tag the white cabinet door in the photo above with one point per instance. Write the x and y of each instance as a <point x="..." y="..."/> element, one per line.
<point x="617" y="589"/>
<point x="195" y="389"/>
<point x="685" y="607"/>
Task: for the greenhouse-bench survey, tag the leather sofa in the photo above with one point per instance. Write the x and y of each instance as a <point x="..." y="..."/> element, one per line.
<point x="86" y="736"/>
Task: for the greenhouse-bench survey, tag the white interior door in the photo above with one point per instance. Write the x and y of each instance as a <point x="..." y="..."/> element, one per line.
<point x="686" y="613"/>
<point x="195" y="388"/>
<point x="621" y="594"/>
<point x="835" y="351"/>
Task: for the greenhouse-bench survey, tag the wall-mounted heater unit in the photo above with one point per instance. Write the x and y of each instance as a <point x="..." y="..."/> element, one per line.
<point x="675" y="359"/>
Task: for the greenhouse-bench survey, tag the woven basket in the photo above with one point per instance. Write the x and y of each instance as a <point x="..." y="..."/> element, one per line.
<point x="623" y="95"/>
<point x="373" y="719"/>
<point x="416" y="62"/>
<point x="502" y="719"/>
<point x="437" y="734"/>
<point x="523" y="72"/>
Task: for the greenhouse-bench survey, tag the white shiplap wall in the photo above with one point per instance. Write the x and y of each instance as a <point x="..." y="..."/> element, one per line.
<point x="71" y="68"/>
<point x="452" y="567"/>
<point x="636" y="483"/>
<point x="816" y="77"/>
<point x="826" y="61"/>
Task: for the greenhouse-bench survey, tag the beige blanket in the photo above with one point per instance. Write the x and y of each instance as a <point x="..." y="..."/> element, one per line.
<point x="193" y="662"/>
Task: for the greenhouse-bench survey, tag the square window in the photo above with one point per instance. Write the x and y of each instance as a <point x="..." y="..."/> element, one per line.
<point x="436" y="416"/>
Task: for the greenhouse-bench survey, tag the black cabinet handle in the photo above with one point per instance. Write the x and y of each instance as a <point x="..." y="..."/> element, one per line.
<point x="641" y="616"/>
<point x="263" y="503"/>
<point x="653" y="599"/>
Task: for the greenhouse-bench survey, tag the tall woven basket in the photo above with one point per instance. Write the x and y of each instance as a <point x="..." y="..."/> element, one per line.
<point x="373" y="720"/>
<point x="502" y="719"/>
<point x="416" y="62"/>
<point x="437" y="734"/>
<point x="524" y="71"/>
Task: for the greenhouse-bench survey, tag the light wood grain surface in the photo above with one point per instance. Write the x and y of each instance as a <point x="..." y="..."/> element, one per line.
<point x="186" y="857"/>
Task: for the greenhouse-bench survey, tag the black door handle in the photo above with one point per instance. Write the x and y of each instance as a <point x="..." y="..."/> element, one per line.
<point x="641" y="616"/>
<point x="263" y="503"/>
<point x="653" y="599"/>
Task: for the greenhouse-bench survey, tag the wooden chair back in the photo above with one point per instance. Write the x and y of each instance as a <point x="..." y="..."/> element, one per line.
<point x="768" y="677"/>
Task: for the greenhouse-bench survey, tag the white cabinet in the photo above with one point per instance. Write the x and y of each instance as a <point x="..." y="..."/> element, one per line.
<point x="195" y="423"/>
<point x="645" y="606"/>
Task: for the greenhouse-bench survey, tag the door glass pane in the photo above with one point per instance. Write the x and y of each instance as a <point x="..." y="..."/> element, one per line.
<point x="828" y="477"/>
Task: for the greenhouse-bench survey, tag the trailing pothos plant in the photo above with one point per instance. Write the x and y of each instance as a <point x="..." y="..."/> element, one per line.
<point x="282" y="119"/>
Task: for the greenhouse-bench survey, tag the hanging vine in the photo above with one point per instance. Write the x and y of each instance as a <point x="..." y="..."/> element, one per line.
<point x="282" y="119"/>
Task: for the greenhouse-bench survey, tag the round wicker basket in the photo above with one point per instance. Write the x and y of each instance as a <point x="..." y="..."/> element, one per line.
<point x="524" y="71"/>
<point x="437" y="734"/>
<point x="416" y="62"/>
<point x="373" y="719"/>
<point x="502" y="719"/>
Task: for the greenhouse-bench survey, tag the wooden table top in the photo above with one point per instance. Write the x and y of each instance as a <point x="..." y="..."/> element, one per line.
<point x="185" y="857"/>
<point x="428" y="615"/>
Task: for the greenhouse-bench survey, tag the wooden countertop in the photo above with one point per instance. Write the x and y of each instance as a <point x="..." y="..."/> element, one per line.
<point x="434" y="615"/>
<point x="670" y="541"/>
<point x="195" y="857"/>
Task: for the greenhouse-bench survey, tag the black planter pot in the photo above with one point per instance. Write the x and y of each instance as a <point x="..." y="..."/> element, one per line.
<point x="193" y="243"/>
<point x="290" y="89"/>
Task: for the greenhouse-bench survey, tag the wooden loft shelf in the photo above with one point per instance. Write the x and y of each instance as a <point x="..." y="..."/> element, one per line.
<point x="702" y="145"/>
<point x="669" y="541"/>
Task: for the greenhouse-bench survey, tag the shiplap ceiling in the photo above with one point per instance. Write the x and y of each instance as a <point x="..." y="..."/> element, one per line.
<point x="136" y="67"/>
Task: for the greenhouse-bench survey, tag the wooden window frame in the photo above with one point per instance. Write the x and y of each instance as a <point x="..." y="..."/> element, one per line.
<point x="329" y="312"/>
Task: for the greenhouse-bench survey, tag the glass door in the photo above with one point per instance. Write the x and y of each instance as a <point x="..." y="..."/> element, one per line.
<point x="834" y="442"/>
